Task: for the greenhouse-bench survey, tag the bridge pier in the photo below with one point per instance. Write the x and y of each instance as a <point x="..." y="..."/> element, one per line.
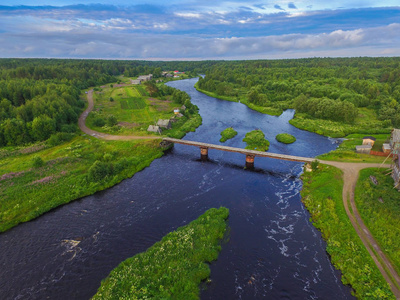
<point x="249" y="161"/>
<point x="204" y="153"/>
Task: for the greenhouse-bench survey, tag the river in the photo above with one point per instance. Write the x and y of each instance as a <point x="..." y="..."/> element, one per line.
<point x="273" y="251"/>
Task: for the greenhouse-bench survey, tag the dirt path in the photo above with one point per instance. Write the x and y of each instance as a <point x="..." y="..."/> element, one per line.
<point x="350" y="176"/>
<point x="105" y="136"/>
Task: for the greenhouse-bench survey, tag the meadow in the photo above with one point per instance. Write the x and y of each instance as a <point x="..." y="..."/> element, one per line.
<point x="379" y="208"/>
<point x="172" y="268"/>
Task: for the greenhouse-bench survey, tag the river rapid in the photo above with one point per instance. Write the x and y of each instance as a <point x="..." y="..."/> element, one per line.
<point x="272" y="250"/>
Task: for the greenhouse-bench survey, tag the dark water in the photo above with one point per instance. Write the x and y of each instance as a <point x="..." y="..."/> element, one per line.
<point x="273" y="251"/>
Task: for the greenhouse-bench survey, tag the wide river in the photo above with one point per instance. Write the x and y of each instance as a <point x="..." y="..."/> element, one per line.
<point x="273" y="250"/>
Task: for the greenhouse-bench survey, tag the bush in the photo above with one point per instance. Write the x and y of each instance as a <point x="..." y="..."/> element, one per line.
<point x="227" y="134"/>
<point x="112" y="121"/>
<point x="59" y="138"/>
<point x="37" y="162"/>
<point x="99" y="170"/>
<point x="314" y="165"/>
<point x="99" y="122"/>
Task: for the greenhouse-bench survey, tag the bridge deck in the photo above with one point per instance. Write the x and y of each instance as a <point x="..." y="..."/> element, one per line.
<point x="240" y="150"/>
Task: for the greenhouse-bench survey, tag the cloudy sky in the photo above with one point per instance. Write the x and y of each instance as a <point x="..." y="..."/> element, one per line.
<point x="196" y="30"/>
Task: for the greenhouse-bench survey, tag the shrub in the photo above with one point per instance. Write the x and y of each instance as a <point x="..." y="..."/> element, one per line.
<point x="99" y="122"/>
<point x="112" y="121"/>
<point x="99" y="170"/>
<point x="37" y="162"/>
<point x="59" y="138"/>
<point x="314" y="165"/>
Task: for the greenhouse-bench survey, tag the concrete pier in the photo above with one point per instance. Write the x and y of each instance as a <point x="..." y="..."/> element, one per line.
<point x="204" y="153"/>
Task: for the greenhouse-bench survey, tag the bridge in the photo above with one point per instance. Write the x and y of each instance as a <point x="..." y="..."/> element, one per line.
<point x="250" y="154"/>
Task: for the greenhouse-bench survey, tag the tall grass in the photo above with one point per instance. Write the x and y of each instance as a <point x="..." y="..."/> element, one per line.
<point x="172" y="268"/>
<point x="322" y="195"/>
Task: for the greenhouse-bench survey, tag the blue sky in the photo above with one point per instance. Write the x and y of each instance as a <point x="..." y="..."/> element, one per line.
<point x="196" y="30"/>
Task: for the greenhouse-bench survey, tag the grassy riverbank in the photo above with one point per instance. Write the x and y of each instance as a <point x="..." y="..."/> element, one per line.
<point x="322" y="195"/>
<point x="172" y="268"/>
<point x="379" y="208"/>
<point x="346" y="150"/>
<point x="70" y="171"/>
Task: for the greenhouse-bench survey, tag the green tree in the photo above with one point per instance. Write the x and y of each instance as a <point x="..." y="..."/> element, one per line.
<point x="42" y="128"/>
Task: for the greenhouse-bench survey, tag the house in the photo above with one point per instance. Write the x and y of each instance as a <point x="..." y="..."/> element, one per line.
<point x="145" y="77"/>
<point x="364" y="149"/>
<point x="154" y="128"/>
<point x="136" y="81"/>
<point x="183" y="108"/>
<point x="395" y="149"/>
<point x="176" y="111"/>
<point x="164" y="123"/>
<point x="369" y="140"/>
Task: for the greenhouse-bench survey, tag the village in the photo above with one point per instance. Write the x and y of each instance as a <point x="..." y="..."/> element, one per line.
<point x="389" y="150"/>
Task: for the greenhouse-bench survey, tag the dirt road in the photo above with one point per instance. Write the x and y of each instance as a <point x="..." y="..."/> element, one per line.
<point x="105" y="136"/>
<point x="350" y="176"/>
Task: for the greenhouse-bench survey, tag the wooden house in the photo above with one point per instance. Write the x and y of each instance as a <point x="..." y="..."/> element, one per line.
<point x="154" y="128"/>
<point x="164" y="123"/>
<point x="369" y="140"/>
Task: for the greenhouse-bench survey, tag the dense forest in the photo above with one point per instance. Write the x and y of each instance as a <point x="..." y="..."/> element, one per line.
<point x="323" y="88"/>
<point x="40" y="97"/>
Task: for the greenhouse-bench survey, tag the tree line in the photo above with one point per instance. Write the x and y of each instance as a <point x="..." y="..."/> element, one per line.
<point x="326" y="88"/>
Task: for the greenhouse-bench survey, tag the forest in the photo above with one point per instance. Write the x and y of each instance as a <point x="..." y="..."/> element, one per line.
<point x="334" y="89"/>
<point x="40" y="97"/>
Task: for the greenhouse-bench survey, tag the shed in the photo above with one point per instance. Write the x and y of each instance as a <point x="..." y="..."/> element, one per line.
<point x="369" y="140"/>
<point x="364" y="149"/>
<point x="176" y="111"/>
<point x="164" y="123"/>
<point x="386" y="148"/>
<point x="154" y="128"/>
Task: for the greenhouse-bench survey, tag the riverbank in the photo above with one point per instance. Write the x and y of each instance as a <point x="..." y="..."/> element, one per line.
<point x="83" y="166"/>
<point x="322" y="196"/>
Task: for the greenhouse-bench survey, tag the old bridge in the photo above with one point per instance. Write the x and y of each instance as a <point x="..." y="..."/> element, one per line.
<point x="250" y="154"/>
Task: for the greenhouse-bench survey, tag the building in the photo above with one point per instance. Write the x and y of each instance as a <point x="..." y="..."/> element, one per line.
<point x="145" y="77"/>
<point x="364" y="149"/>
<point x="135" y="81"/>
<point x="369" y="140"/>
<point x="164" y="124"/>
<point x="154" y="128"/>
<point x="395" y="148"/>
<point x="176" y="111"/>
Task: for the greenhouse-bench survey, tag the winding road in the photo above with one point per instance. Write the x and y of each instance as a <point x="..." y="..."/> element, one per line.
<point x="350" y="177"/>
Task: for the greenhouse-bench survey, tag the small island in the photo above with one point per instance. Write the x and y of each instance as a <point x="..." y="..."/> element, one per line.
<point x="255" y="140"/>
<point x="173" y="267"/>
<point x="227" y="134"/>
<point x="285" y="138"/>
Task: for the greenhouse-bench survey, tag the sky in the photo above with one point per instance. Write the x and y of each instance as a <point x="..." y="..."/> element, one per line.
<point x="198" y="30"/>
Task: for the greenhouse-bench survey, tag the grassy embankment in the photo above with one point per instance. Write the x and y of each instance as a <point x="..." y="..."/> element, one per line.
<point x="255" y="140"/>
<point x="322" y="195"/>
<point x="366" y="121"/>
<point x="379" y="208"/>
<point x="285" y="138"/>
<point x="346" y="150"/>
<point x="172" y="268"/>
<point x="71" y="170"/>
<point x="227" y="134"/>
<point x="262" y="109"/>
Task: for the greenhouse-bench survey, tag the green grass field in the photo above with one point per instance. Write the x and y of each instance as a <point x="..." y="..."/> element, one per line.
<point x="131" y="106"/>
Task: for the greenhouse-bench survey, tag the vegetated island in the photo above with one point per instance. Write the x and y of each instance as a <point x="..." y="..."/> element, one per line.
<point x="285" y="138"/>
<point x="227" y="134"/>
<point x="172" y="268"/>
<point x="322" y="196"/>
<point x="255" y="140"/>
